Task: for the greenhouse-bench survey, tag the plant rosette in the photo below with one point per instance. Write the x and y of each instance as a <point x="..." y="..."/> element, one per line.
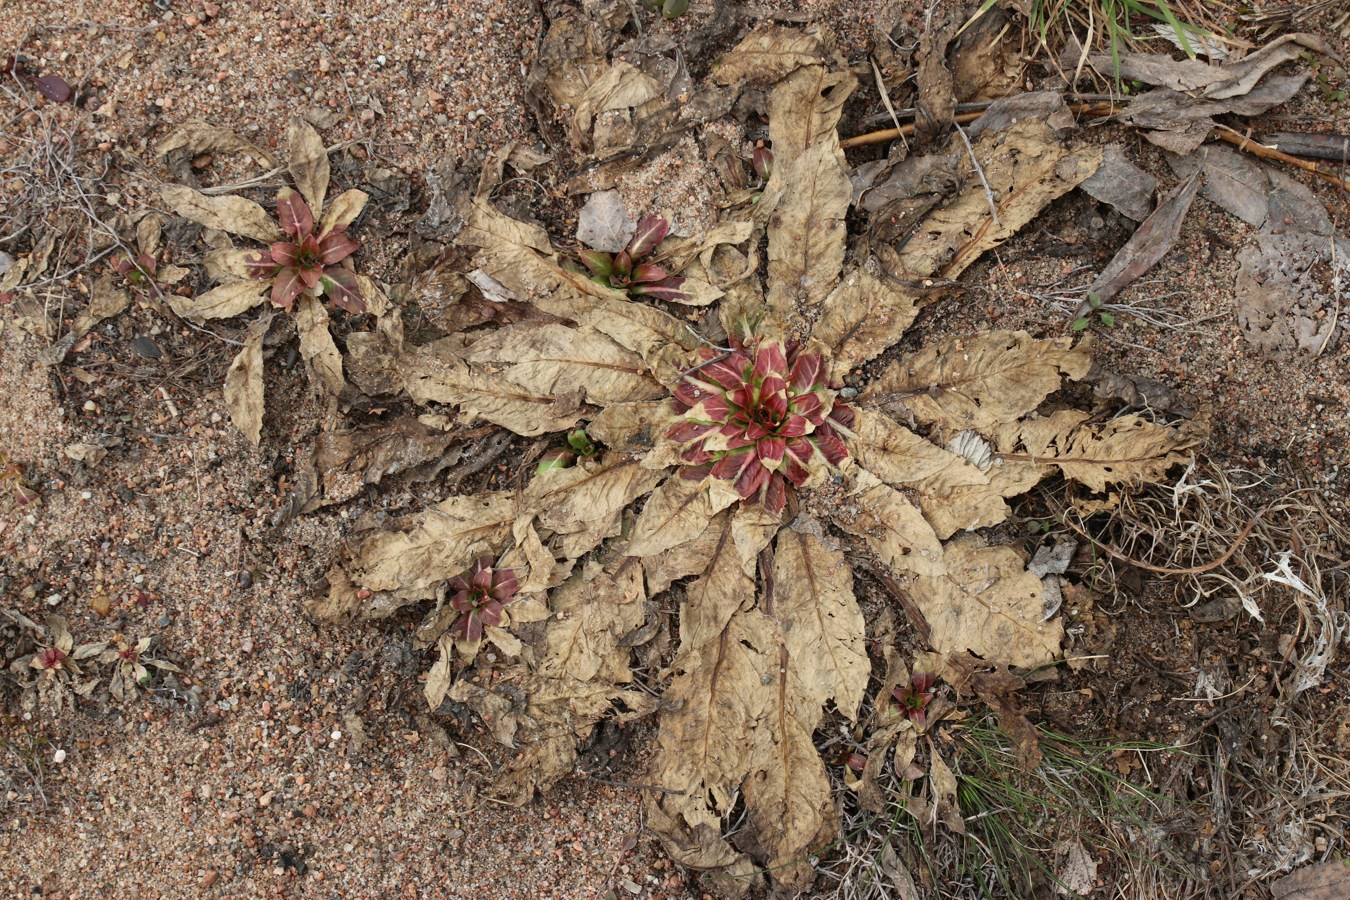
<point x="759" y="416"/>
<point x="130" y="663"/>
<point x="53" y="675"/>
<point x="305" y="262"/>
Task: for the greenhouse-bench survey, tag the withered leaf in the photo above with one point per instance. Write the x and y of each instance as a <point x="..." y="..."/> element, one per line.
<point x="804" y="112"/>
<point x="822" y="625"/>
<point x="347" y="461"/>
<point x="555" y="360"/>
<point x="344" y="209"/>
<point x="604" y="224"/>
<point x="317" y="346"/>
<point x="631" y="427"/>
<point x="228" y="213"/>
<point x="1149" y="243"/>
<point x="806" y="232"/>
<point x="1208" y="81"/>
<point x="621" y="88"/>
<point x="864" y="315"/>
<point x="231" y="299"/>
<point x="229" y="265"/>
<point x="197" y="137"/>
<point x="942" y="782"/>
<point x="677" y="512"/>
<point x="405" y="565"/>
<point x="1121" y="184"/>
<point x="979" y="382"/>
<point x="1127" y="449"/>
<point x="307" y="161"/>
<point x="582" y="506"/>
<point x="892" y="526"/>
<point x="986" y="602"/>
<point x="767" y="54"/>
<point x="1026" y="168"/>
<point x="244" y="384"/>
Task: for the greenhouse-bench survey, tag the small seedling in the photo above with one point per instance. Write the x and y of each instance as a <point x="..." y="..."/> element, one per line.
<point x="23" y="491"/>
<point x="1096" y="313"/>
<point x="915" y="697"/>
<point x="53" y="87"/>
<point x="130" y="661"/>
<point x="627" y="272"/>
<point x="579" y="446"/>
<point x="308" y="262"/>
<point x="481" y="595"/>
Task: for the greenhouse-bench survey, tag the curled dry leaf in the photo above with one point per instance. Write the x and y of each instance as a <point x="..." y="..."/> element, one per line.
<point x="244" y="384"/>
<point x="307" y="161"/>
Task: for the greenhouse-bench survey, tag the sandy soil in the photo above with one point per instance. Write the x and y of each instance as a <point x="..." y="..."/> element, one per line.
<point x="298" y="761"/>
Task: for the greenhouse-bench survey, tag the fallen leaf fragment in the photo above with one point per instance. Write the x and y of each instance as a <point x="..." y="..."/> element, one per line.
<point x="244" y="384"/>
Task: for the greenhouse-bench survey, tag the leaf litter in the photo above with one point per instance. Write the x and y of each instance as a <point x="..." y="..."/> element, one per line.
<point x="751" y="540"/>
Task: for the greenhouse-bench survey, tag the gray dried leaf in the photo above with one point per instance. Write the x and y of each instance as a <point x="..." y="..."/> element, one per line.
<point x="244" y="384"/>
<point x="1121" y="184"/>
<point x="1149" y="243"/>
<point x="1288" y="287"/>
<point x="604" y="224"/>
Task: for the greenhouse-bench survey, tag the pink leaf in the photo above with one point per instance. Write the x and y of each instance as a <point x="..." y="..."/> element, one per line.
<point x="335" y="247"/>
<point x="340" y="286"/>
<point x="286" y="288"/>
<point x="53" y="88"/>
<point x="651" y="231"/>
<point x="293" y="214"/>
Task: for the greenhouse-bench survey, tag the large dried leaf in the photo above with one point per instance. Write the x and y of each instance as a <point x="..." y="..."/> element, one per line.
<point x="979" y="382"/>
<point x="986" y="602"/>
<point x="866" y="313"/>
<point x="1192" y="76"/>
<point x="317" y="347"/>
<point x="344" y="209"/>
<point x="677" y="512"/>
<point x="557" y="361"/>
<point x="231" y="299"/>
<point x="244" y="384"/>
<point x="953" y="494"/>
<point x="1128" y="449"/>
<point x="685" y="560"/>
<point x="891" y="525"/>
<point x="1149" y="243"/>
<point x="435" y="373"/>
<point x="229" y="264"/>
<point x="1026" y="168"/>
<point x="228" y="213"/>
<point x="804" y="111"/>
<point x="1287" y="295"/>
<point x="405" y="564"/>
<point x="583" y="505"/>
<point x="622" y="88"/>
<point x="631" y="427"/>
<point x="604" y="224"/>
<point x="196" y="138"/>
<point x="345" y="462"/>
<point x="308" y="163"/>
<point x="822" y="626"/>
<point x="767" y="54"/>
<point x="807" y="231"/>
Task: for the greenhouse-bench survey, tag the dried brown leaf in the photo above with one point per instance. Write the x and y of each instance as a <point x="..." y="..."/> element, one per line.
<point x="865" y="314"/>
<point x="767" y="54"/>
<point x="229" y="265"/>
<point x="942" y="782"/>
<point x="1328" y="880"/>
<point x="344" y="209"/>
<point x="244" y="384"/>
<point x="676" y="513"/>
<point x="581" y="506"/>
<point x="1026" y="167"/>
<point x="317" y="347"/>
<point x="405" y="564"/>
<point x="804" y="112"/>
<point x="1149" y="243"/>
<point x="1192" y="76"/>
<point x="807" y="231"/>
<point x="307" y="161"/>
<point x="979" y="382"/>
<point x="822" y="626"/>
<point x="624" y="87"/>
<point x="1121" y="184"/>
<point x="892" y="526"/>
<point x="986" y="602"/>
<point x="1127" y="449"/>
<point x="228" y="213"/>
<point x="231" y="299"/>
<point x="196" y="137"/>
<point x="631" y="427"/>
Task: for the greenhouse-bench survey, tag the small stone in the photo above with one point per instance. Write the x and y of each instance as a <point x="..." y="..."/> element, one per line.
<point x="59" y="757"/>
<point x="210" y="878"/>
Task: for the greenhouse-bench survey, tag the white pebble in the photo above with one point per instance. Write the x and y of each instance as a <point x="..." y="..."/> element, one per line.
<point x="59" y="757"/>
<point x="337" y="735"/>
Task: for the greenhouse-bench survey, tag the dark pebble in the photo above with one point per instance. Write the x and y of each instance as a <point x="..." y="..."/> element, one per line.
<point x="246" y="579"/>
<point x="146" y="347"/>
